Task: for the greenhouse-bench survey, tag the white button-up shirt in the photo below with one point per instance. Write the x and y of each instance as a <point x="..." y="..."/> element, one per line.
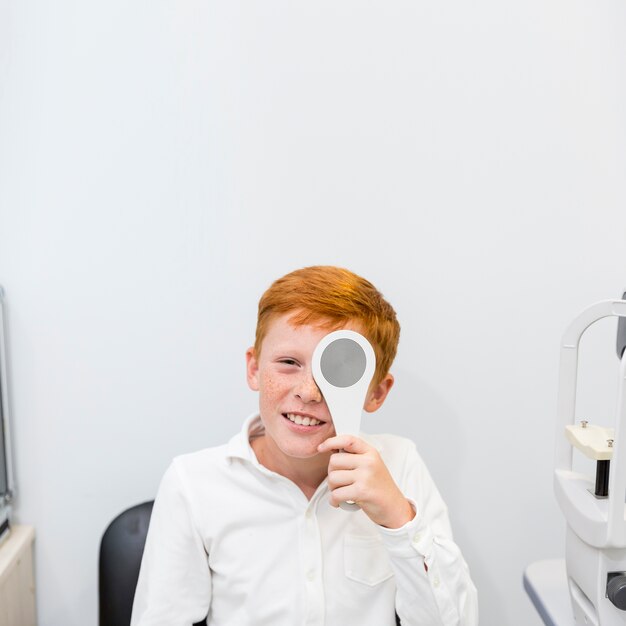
<point x="234" y="540"/>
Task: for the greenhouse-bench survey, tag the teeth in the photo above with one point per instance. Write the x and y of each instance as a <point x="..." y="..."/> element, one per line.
<point x="303" y="421"/>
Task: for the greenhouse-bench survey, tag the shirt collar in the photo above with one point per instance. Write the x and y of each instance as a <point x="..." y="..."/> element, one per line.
<point x="239" y="446"/>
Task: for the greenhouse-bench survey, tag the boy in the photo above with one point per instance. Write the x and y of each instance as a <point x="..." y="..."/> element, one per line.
<point x="250" y="533"/>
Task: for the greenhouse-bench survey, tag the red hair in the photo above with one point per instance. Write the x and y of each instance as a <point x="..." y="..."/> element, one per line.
<point x="331" y="297"/>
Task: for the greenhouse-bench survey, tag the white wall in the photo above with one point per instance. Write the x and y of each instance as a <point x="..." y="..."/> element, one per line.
<point x="161" y="163"/>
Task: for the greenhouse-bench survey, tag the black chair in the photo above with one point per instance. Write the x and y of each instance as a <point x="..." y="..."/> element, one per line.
<point x="121" y="550"/>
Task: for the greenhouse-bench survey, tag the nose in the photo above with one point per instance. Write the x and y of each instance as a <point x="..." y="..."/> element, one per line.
<point x="307" y="390"/>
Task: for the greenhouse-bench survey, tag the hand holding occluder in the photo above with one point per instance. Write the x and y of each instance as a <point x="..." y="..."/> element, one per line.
<point x="356" y="472"/>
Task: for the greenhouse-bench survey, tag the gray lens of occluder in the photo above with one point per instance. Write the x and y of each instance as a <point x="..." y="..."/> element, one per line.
<point x="343" y="362"/>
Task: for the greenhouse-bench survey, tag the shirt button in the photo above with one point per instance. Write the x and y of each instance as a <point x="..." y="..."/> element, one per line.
<point x="436" y="582"/>
<point x="417" y="537"/>
<point x="310" y="574"/>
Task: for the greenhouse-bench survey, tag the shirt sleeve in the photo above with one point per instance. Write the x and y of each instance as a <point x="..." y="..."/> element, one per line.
<point x="433" y="581"/>
<point x="174" y="586"/>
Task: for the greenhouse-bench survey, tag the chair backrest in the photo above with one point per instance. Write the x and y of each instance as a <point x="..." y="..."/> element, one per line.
<point x="121" y="550"/>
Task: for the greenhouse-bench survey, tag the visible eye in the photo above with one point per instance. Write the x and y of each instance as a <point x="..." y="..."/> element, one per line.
<point x="288" y="361"/>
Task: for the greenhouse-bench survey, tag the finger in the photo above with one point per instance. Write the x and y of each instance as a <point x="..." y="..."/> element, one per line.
<point x="349" y="443"/>
<point x="340" y="478"/>
<point x="343" y="494"/>
<point x="343" y="461"/>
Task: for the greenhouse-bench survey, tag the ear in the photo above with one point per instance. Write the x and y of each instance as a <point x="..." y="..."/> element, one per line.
<point x="377" y="395"/>
<point x="252" y="369"/>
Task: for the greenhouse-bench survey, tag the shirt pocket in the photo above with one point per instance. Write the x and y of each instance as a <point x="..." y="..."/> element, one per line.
<point x="366" y="559"/>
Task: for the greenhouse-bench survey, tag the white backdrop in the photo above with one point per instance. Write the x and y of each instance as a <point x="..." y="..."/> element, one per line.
<point x="161" y="163"/>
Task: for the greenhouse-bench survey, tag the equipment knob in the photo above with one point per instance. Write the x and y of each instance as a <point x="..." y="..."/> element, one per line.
<point x="616" y="591"/>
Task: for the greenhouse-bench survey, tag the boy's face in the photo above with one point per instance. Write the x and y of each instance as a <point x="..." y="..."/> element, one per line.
<point x="292" y="409"/>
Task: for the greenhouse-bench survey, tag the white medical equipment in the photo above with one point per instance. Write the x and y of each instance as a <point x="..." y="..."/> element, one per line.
<point x="595" y="510"/>
<point x="343" y="366"/>
<point x="7" y="483"/>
